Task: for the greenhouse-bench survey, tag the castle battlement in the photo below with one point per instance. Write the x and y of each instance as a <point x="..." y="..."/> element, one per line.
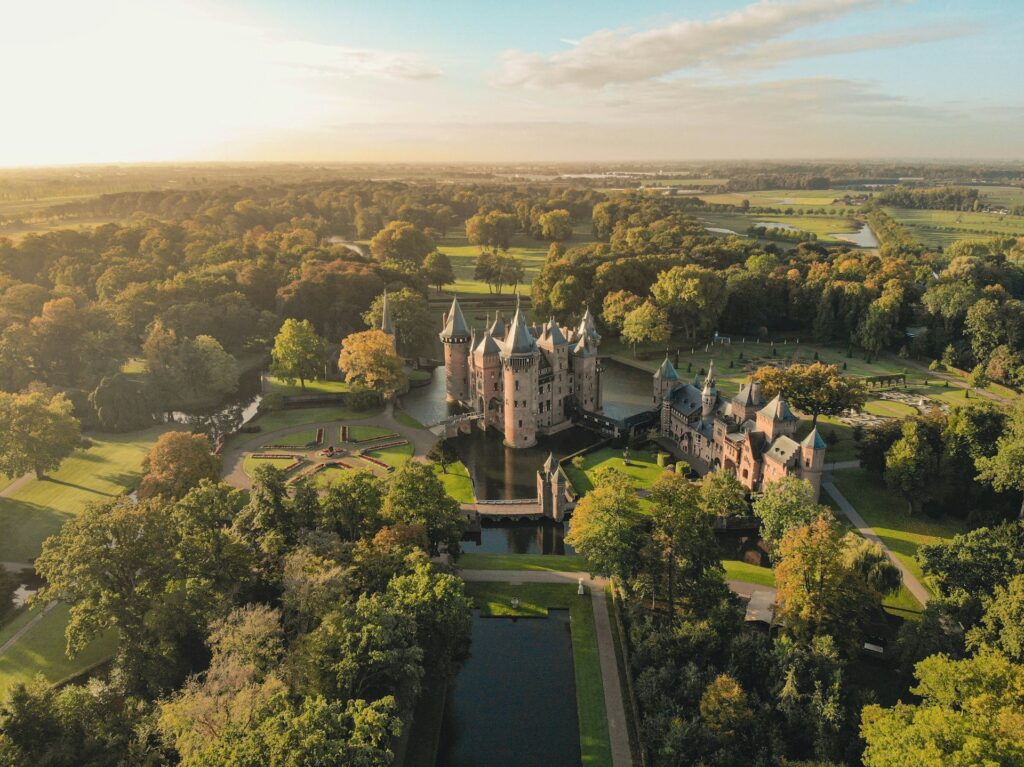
<point x="522" y="378"/>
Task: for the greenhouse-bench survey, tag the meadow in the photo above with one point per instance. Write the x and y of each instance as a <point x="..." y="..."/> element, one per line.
<point x="825" y="227"/>
<point x="774" y="198"/>
<point x="941" y="228"/>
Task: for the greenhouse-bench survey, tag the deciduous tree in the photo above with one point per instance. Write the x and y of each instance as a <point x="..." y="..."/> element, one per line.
<point x="298" y="352"/>
<point x="176" y="463"/>
<point x="36" y="433"/>
<point x="369" y="362"/>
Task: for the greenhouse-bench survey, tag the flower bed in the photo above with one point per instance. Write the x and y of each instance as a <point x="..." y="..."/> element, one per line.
<point x="276" y="455"/>
<point x="395" y="443"/>
<point x="320" y="436"/>
<point x="376" y="462"/>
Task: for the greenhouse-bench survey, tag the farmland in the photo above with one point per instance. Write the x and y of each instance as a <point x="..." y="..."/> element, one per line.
<point x="941" y="228"/>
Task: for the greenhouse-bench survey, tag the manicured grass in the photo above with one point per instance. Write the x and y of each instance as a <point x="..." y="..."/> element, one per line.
<point x="316" y="386"/>
<point x="407" y="420"/>
<point x="457" y="482"/>
<point x="643" y="468"/>
<point x="41" y="651"/>
<point x="736" y="570"/>
<point x="251" y="463"/>
<point x="941" y="228"/>
<point x="889" y="408"/>
<point x="781" y="198"/>
<point x="535" y="600"/>
<point x="825" y="227"/>
<point x="314" y="416"/>
<point x="887" y="514"/>
<point x="393" y="456"/>
<point x="103" y="472"/>
<point x="296" y="439"/>
<point x="845" y="448"/>
<point x="419" y="375"/>
<point x="552" y="562"/>
<point x="325" y="477"/>
<point x="357" y="433"/>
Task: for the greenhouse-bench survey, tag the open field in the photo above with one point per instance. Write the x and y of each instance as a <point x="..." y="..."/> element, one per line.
<point x="1010" y="196"/>
<point x="736" y="570"/>
<point x="823" y="226"/>
<point x="642" y="469"/>
<point x="941" y="228"/>
<point x="529" y="251"/>
<point x="302" y="438"/>
<point x="887" y="514"/>
<point x="535" y="600"/>
<point x="889" y="409"/>
<point x="103" y="472"/>
<point x="41" y="650"/>
<point x="316" y="386"/>
<point x="774" y="198"/>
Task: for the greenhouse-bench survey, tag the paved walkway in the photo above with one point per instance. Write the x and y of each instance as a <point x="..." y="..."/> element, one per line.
<point x="913" y="585"/>
<point x="618" y="729"/>
<point x="26" y="628"/>
<point x="234" y="457"/>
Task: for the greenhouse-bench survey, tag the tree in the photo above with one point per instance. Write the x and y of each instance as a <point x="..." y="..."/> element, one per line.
<point x="1002" y="624"/>
<point x="369" y="362"/>
<point x="872" y="564"/>
<point x="556" y="225"/>
<point x="1005" y="470"/>
<point x="617" y="305"/>
<point x="971" y="713"/>
<point x="816" y="389"/>
<point x="401" y="241"/>
<point x="36" y="433"/>
<point x="607" y="528"/>
<point x="817" y="594"/>
<point x="646" y="324"/>
<point x="416" y="496"/>
<point x="724" y="707"/>
<point x="298" y="352"/>
<point x="176" y="463"/>
<point x="437" y="269"/>
<point x="722" y="495"/>
<point x="908" y="465"/>
<point x="785" y="504"/>
<point x="972" y="565"/>
<point x="352" y="506"/>
<point x="493" y="229"/>
<point x="415" y="328"/>
<point x="122" y="404"/>
<point x="693" y="296"/>
<point x="443" y="454"/>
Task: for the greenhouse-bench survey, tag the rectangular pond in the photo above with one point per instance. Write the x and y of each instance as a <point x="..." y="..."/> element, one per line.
<point x="514" y="701"/>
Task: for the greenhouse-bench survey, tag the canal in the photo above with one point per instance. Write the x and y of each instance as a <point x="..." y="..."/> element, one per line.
<point x="514" y="701"/>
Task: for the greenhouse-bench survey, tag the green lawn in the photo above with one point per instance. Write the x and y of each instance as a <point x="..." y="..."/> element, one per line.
<point x="889" y="408"/>
<point x="251" y="463"/>
<point x="104" y="471"/>
<point x="535" y="600"/>
<point x="457" y="482"/>
<point x="314" y="416"/>
<point x="393" y="456"/>
<point x="781" y="198"/>
<point x="887" y="514"/>
<point x="316" y="386"/>
<point x="359" y="433"/>
<point x="41" y="651"/>
<point x="407" y="420"/>
<point x="552" y="562"/>
<point x="736" y="570"/>
<point x="845" y="448"/>
<point x="297" y="439"/>
<point x="825" y="227"/>
<point x="643" y="468"/>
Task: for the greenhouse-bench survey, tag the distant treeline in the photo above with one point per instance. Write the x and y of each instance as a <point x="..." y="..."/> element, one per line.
<point x="940" y="198"/>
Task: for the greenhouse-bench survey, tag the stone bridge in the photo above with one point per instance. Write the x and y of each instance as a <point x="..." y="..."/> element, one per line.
<point x="450" y="427"/>
<point x="518" y="508"/>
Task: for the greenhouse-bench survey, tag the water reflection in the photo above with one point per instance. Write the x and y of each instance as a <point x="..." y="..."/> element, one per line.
<point x="514" y="701"/>
<point x="527" y="537"/>
<point x="226" y="417"/>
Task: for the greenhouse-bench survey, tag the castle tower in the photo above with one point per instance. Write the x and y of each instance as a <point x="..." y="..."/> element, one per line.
<point x="520" y="363"/>
<point x="551" y="490"/>
<point x="665" y="377"/>
<point x="585" y="379"/>
<point x="776" y="419"/>
<point x="709" y="395"/>
<point x="487" y="377"/>
<point x="455" y="337"/>
<point x="744" y="406"/>
<point x="812" y="459"/>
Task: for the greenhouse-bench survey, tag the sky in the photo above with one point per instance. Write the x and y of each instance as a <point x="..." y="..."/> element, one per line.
<point x="95" y="81"/>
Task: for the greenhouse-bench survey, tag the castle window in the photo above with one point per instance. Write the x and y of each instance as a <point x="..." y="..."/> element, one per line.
<point x="517" y="384"/>
<point x="521" y="426"/>
<point x="745" y="474"/>
<point x="807" y="463"/>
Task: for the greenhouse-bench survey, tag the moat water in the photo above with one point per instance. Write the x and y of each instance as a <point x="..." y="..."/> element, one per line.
<point x="514" y="701"/>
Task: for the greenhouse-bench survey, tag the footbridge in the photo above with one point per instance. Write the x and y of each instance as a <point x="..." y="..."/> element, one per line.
<point x="451" y="426"/>
<point x="517" y="508"/>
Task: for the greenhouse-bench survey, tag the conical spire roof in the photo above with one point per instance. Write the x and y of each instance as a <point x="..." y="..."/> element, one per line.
<point x="386" y="324"/>
<point x="488" y="345"/>
<point x="455" y="323"/>
<point x="550" y="464"/>
<point x="555" y="332"/>
<point x="814" y="440"/>
<point x="709" y="382"/>
<point x="519" y="339"/>
<point x="587" y="326"/>
<point x="778" y="410"/>
<point x="667" y="371"/>
<point x="497" y="328"/>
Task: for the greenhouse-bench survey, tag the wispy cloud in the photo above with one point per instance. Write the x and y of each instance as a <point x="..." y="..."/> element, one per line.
<point x="342" y="61"/>
<point x="750" y="37"/>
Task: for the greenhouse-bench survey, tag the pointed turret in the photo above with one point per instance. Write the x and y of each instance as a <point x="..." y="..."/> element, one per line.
<point x="519" y="339"/>
<point x="550" y="464"/>
<point x="777" y="410"/>
<point x="455" y="323"/>
<point x="812" y="459"/>
<point x="487" y="345"/>
<point x="588" y="328"/>
<point x="385" y="319"/>
<point x="667" y="371"/>
<point x="498" y="326"/>
<point x="814" y="440"/>
<point x="555" y="333"/>
<point x="709" y="396"/>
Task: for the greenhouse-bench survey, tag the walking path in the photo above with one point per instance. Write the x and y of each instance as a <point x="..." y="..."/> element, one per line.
<point x="26" y="628"/>
<point x="913" y="585"/>
<point x="234" y="457"/>
<point x="618" y="732"/>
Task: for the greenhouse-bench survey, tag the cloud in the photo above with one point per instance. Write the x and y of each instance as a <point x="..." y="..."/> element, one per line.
<point x="351" y="62"/>
<point x="749" y="37"/>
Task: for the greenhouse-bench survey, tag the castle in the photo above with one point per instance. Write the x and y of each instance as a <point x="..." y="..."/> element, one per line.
<point x="745" y="435"/>
<point x="524" y="380"/>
